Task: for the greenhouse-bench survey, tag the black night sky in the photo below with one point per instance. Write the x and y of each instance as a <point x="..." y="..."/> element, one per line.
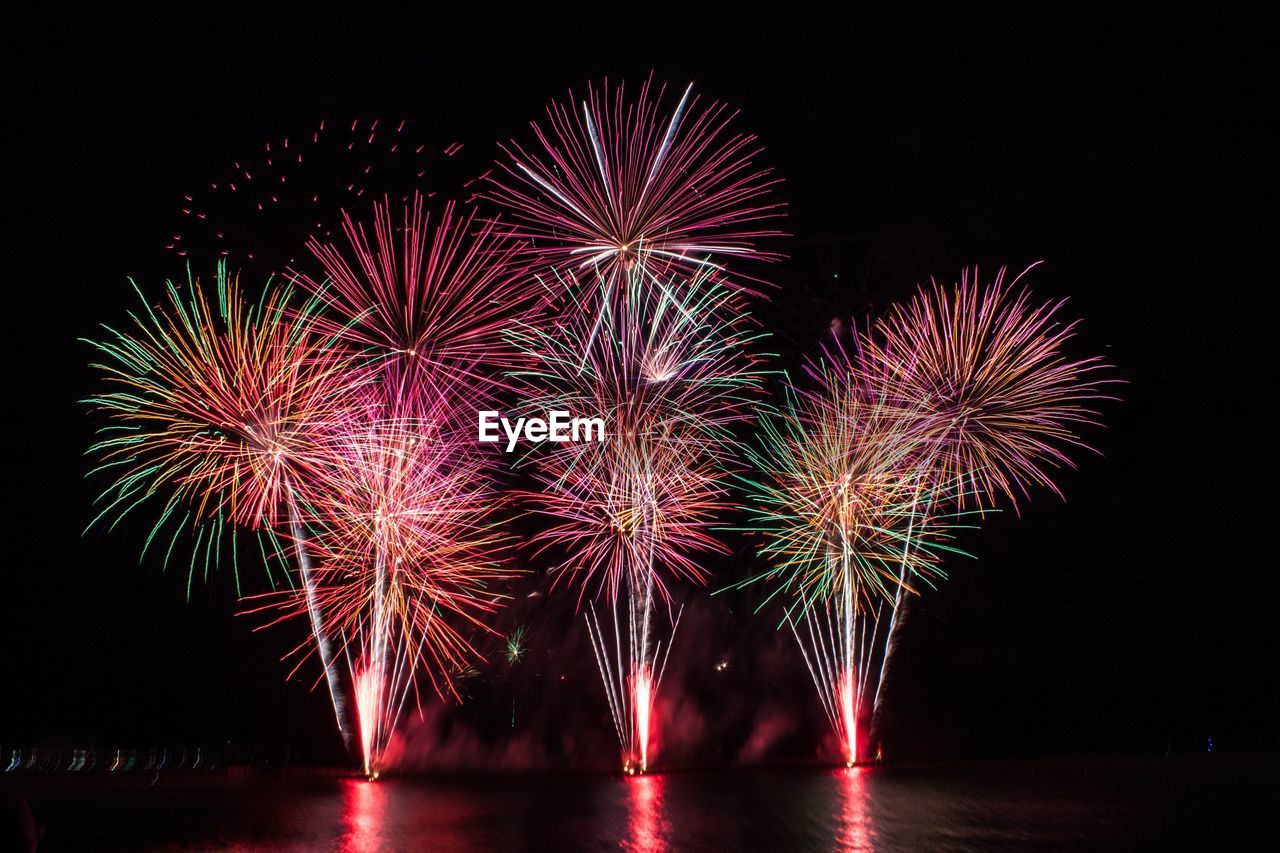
<point x="1124" y="152"/>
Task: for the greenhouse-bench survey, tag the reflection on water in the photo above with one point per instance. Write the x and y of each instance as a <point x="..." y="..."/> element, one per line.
<point x="648" y="825"/>
<point x="364" y="806"/>
<point x="1084" y="804"/>
<point x="856" y="830"/>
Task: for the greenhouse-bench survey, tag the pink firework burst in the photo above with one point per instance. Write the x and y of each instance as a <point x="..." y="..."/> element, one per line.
<point x="986" y="365"/>
<point x="667" y="366"/>
<point x="436" y="294"/>
<point x="614" y="181"/>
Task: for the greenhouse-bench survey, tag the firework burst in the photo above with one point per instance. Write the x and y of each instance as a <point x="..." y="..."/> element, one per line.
<point x="986" y="365"/>
<point x="838" y="499"/>
<point x="666" y="365"/>
<point x="405" y="547"/>
<point x="629" y="209"/>
<point x="954" y="400"/>
<point x="434" y="295"/>
<point x="616" y="182"/>
<point x="263" y="207"/>
<point x="407" y="550"/>
<point x="213" y="412"/>
<point x="217" y="397"/>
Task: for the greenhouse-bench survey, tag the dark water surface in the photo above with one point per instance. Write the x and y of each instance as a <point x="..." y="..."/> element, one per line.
<point x="1193" y="803"/>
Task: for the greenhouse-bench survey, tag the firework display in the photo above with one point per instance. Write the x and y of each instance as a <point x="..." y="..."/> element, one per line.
<point x="213" y="402"/>
<point x="838" y="488"/>
<point x="666" y="364"/>
<point x="987" y="366"/>
<point x="213" y="409"/>
<point x="630" y="210"/>
<point x="948" y="403"/>
<point x="328" y="425"/>
<point x="1005" y="402"/>
<point x="407" y="551"/>
<point x="294" y="419"/>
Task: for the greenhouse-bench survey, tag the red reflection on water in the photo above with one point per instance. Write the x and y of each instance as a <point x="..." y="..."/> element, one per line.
<point x="363" y="812"/>
<point x="856" y="830"/>
<point x="647" y="828"/>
